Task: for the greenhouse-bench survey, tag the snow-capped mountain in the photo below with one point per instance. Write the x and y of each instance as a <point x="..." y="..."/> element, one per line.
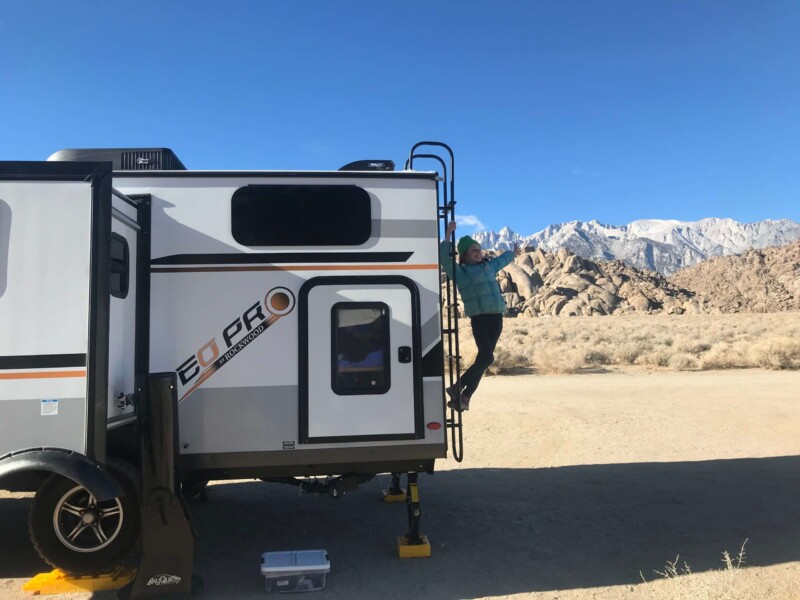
<point x="658" y="245"/>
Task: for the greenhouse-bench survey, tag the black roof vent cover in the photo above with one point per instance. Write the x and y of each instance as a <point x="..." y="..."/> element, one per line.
<point x="125" y="159"/>
<point x="369" y="165"/>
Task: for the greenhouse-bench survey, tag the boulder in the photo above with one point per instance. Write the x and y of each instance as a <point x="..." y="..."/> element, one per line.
<point x="554" y="304"/>
<point x="573" y="281"/>
<point x="572" y="264"/>
<point x="524" y="260"/>
<point x="538" y="257"/>
<point x="574" y="308"/>
<point x="512" y="299"/>
<point x="640" y="302"/>
<point x="505" y="282"/>
<point x="521" y="280"/>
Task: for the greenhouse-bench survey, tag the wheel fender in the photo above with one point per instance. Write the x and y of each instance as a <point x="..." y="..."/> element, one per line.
<point x="68" y="463"/>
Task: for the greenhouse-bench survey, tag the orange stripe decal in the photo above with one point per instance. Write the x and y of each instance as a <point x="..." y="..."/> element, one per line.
<point x="43" y="375"/>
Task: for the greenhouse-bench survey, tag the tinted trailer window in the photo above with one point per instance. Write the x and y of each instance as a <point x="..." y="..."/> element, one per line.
<point x="301" y="215"/>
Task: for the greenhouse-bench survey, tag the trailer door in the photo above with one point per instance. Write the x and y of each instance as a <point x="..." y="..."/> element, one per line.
<point x="359" y="360"/>
<point x="125" y="330"/>
<point x="55" y="224"/>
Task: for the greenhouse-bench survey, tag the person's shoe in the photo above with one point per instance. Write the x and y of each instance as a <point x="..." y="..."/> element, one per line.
<point x="459" y="406"/>
<point x="453" y="392"/>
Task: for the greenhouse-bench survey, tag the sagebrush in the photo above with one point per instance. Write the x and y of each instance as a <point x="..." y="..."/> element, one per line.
<point x="662" y="342"/>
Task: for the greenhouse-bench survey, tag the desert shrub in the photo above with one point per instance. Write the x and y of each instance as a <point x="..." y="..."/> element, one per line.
<point x="506" y="361"/>
<point x="655" y="358"/>
<point x="694" y="347"/>
<point x="683" y="362"/>
<point x="724" y="357"/>
<point x="558" y="363"/>
<point x="598" y="356"/>
<point x="780" y="353"/>
<point x="628" y="353"/>
<point x="684" y="342"/>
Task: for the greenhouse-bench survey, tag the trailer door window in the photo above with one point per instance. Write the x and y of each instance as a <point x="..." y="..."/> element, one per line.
<point x="360" y="348"/>
<point x="301" y="215"/>
<point x="120" y="266"/>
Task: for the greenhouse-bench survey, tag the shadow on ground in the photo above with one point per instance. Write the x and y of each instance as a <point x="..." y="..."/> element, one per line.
<point x="493" y="531"/>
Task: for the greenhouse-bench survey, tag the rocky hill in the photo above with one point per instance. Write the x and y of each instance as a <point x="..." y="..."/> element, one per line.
<point x="766" y="280"/>
<point x="540" y="283"/>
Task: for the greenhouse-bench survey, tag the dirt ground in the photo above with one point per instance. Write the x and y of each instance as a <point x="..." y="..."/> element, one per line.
<point x="571" y="486"/>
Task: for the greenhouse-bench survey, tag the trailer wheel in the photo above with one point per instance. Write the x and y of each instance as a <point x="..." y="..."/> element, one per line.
<point x="73" y="532"/>
<point x="194" y="490"/>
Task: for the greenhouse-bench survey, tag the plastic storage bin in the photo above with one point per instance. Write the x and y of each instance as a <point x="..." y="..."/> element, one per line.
<point x="295" y="570"/>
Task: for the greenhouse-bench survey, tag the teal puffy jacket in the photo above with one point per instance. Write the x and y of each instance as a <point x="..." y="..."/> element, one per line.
<point x="477" y="284"/>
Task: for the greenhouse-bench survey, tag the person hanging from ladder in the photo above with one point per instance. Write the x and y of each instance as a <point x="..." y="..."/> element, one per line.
<point x="483" y="304"/>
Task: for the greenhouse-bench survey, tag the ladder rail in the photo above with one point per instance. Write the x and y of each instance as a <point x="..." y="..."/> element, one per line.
<point x="410" y="163"/>
<point x="446" y="210"/>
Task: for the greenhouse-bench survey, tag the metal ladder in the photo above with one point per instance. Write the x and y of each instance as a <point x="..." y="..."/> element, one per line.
<point x="449" y="316"/>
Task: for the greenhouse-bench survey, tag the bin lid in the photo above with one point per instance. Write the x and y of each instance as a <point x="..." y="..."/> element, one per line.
<point x="295" y="560"/>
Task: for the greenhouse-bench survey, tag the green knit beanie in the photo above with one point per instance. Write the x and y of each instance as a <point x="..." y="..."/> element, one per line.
<point x="465" y="243"/>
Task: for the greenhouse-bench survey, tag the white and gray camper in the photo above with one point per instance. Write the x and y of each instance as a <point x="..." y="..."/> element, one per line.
<point x="298" y="313"/>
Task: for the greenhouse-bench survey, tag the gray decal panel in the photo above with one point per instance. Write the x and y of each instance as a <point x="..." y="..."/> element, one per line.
<point x="238" y="419"/>
<point x="24" y="426"/>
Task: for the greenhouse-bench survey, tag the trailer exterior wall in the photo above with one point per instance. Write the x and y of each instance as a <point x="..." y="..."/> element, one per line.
<point x="44" y="314"/>
<point x="245" y="412"/>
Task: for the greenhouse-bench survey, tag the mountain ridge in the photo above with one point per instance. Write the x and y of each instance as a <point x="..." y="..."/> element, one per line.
<point x="661" y="245"/>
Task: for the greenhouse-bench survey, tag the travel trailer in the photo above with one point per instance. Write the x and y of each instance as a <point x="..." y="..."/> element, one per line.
<point x="300" y="313"/>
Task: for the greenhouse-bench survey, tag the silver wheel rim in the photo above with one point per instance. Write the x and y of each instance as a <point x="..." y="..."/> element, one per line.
<point x="84" y="525"/>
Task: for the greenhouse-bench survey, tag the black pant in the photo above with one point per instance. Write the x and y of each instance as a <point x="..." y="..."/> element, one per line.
<point x="486" y="330"/>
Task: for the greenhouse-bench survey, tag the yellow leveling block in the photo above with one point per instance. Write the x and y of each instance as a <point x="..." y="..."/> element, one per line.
<point x="58" y="582"/>
<point x="406" y="550"/>
<point x="387" y="497"/>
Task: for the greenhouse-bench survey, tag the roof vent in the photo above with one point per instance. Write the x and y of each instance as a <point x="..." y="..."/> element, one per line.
<point x="369" y="165"/>
<point x="125" y="159"/>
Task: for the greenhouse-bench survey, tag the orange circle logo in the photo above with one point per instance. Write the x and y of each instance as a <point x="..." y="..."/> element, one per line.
<point x="279" y="302"/>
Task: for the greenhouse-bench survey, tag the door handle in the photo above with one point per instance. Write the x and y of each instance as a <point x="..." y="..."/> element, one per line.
<point x="404" y="354"/>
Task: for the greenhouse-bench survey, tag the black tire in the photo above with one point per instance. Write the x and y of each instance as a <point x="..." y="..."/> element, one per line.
<point x="194" y="490"/>
<point x="74" y="533"/>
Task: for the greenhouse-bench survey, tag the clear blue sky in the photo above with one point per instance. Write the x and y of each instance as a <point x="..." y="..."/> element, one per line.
<point x="557" y="110"/>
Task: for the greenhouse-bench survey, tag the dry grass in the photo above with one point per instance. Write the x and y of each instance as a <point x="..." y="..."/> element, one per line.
<point x="678" y="582"/>
<point x="660" y="342"/>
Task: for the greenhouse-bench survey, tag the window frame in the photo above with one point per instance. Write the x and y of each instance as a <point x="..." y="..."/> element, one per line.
<point x="123" y="267"/>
